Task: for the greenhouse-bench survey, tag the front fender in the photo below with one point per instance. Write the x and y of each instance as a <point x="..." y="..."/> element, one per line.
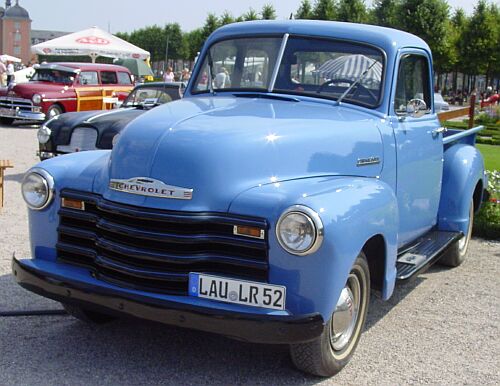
<point x="74" y="171"/>
<point x="352" y="210"/>
<point x="463" y="169"/>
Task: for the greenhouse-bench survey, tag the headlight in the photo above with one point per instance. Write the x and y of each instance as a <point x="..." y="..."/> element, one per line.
<point x="43" y="134"/>
<point x="37" y="188"/>
<point x="115" y="139"/>
<point x="300" y="230"/>
<point x="36" y="98"/>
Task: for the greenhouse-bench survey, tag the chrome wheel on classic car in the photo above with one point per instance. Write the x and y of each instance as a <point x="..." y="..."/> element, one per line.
<point x="331" y="351"/>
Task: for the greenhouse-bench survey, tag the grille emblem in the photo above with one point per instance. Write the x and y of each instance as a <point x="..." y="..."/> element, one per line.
<point x="145" y="186"/>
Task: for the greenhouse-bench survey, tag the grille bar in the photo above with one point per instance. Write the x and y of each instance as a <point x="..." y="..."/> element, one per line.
<point x="155" y="250"/>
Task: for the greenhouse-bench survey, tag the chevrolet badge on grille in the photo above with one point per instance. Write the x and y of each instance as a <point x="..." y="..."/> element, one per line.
<point x="146" y="186"/>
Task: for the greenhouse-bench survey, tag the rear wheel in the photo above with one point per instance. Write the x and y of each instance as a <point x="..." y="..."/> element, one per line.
<point x="331" y="351"/>
<point x="6" y="120"/>
<point x="53" y="111"/>
<point x="456" y="254"/>
<point x="87" y="316"/>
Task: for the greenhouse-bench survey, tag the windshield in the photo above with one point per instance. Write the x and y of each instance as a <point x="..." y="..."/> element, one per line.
<point x="309" y="66"/>
<point x="144" y="97"/>
<point x="53" y="76"/>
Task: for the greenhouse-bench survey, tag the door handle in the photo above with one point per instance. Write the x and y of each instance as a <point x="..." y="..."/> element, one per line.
<point x="438" y="131"/>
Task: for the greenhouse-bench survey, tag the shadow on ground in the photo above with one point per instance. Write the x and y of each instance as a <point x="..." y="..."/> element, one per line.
<point x="144" y="349"/>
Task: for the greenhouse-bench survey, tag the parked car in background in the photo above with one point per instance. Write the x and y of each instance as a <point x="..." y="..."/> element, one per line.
<point x="90" y="130"/>
<point x="439" y="103"/>
<point x="56" y="88"/>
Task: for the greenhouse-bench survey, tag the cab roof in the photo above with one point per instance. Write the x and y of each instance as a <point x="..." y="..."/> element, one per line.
<point x="390" y="40"/>
<point x="75" y="66"/>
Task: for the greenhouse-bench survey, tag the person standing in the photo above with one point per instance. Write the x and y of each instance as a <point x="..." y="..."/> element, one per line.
<point x="3" y="71"/>
<point x="10" y="72"/>
<point x="168" y="76"/>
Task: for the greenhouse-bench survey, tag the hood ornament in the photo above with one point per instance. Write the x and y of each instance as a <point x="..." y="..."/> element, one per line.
<point x="145" y="186"/>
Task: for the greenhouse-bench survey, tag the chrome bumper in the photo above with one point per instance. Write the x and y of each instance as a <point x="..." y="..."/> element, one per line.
<point x="21" y="114"/>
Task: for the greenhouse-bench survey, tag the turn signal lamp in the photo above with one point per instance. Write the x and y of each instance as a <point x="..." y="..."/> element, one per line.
<point x="254" y="232"/>
<point x="72" y="203"/>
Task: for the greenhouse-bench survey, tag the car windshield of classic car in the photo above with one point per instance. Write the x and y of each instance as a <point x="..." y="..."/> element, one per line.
<point x="150" y="97"/>
<point x="53" y="76"/>
<point x="312" y="67"/>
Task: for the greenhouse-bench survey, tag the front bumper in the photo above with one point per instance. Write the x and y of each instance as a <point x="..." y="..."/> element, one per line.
<point x="258" y="328"/>
<point x="22" y="114"/>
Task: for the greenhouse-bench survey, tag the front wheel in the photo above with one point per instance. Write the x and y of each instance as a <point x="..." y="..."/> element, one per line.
<point x="456" y="254"/>
<point x="53" y="111"/>
<point x="331" y="351"/>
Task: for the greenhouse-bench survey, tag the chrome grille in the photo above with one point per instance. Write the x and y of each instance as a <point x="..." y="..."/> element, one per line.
<point x="155" y="250"/>
<point x="16" y="103"/>
<point x="82" y="138"/>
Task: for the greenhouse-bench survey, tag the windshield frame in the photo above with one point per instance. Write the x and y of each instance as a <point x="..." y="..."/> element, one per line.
<point x="285" y="36"/>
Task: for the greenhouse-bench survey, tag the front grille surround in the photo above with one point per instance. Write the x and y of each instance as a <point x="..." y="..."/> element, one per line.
<point x="16" y="103"/>
<point x="155" y="250"/>
<point x="82" y="139"/>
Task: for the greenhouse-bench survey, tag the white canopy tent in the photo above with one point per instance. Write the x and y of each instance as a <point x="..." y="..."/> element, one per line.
<point x="93" y="42"/>
<point x="9" y="58"/>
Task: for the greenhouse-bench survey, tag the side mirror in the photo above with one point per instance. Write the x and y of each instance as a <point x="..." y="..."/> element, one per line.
<point x="416" y="108"/>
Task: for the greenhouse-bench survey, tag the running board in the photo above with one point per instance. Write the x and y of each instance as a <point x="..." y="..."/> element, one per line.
<point x="425" y="252"/>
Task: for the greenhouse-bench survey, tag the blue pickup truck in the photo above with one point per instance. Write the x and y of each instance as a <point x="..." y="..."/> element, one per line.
<point x="304" y="167"/>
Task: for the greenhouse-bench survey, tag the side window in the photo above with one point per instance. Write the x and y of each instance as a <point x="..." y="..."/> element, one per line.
<point x="124" y="78"/>
<point x="413" y="82"/>
<point x="108" y="77"/>
<point x="88" y="78"/>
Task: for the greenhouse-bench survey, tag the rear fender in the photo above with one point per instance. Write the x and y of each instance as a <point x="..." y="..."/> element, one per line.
<point x="352" y="210"/>
<point x="462" y="170"/>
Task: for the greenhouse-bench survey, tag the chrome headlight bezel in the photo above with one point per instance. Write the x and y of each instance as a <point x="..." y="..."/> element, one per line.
<point x="315" y="222"/>
<point x="48" y="182"/>
<point x="43" y="134"/>
<point x="36" y="99"/>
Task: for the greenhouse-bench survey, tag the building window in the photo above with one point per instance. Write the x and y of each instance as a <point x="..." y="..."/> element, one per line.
<point x="17" y="50"/>
<point x="17" y="36"/>
<point x="17" y="25"/>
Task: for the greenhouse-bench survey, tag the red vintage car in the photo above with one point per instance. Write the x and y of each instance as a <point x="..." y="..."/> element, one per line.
<point x="56" y="88"/>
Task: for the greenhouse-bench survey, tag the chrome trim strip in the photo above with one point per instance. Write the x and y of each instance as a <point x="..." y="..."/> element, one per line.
<point x="58" y="99"/>
<point x="316" y="221"/>
<point x="368" y="161"/>
<point x="278" y="62"/>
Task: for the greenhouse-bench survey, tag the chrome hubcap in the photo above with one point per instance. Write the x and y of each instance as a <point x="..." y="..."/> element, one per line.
<point x="346" y="314"/>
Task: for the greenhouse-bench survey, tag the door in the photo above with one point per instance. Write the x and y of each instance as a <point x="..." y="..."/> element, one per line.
<point x="88" y="91"/>
<point x="419" y="147"/>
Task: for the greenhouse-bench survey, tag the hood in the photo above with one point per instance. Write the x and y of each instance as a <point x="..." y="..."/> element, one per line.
<point x="222" y="146"/>
<point x="28" y="89"/>
<point x="111" y="122"/>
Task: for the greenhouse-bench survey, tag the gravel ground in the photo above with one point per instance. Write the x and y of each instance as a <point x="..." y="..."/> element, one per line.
<point x="442" y="328"/>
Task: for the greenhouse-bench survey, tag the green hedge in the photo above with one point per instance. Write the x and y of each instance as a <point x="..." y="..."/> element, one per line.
<point x="490" y="135"/>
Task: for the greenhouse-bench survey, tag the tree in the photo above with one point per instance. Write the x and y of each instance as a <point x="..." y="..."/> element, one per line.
<point x="268" y="12"/>
<point x="250" y="15"/>
<point x="192" y="43"/>
<point x="211" y="24"/>
<point x="480" y="40"/>
<point x="226" y="18"/>
<point x="352" y="10"/>
<point x="427" y="19"/>
<point x="324" y="10"/>
<point x="305" y="10"/>
<point x="385" y="13"/>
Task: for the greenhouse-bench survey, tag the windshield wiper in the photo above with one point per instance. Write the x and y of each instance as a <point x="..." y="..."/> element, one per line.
<point x="356" y="82"/>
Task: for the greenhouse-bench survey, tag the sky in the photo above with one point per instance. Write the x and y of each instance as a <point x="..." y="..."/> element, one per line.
<point x="128" y="15"/>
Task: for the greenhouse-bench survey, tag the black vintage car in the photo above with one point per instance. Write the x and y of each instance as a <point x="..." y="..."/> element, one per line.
<point x="91" y="130"/>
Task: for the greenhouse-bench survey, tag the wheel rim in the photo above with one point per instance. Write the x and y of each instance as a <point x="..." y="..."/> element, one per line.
<point x="346" y="314"/>
<point x="464" y="241"/>
<point x="53" y="112"/>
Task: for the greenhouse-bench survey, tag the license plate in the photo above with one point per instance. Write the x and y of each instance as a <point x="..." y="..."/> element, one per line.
<point x="244" y="292"/>
<point x="5" y="111"/>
